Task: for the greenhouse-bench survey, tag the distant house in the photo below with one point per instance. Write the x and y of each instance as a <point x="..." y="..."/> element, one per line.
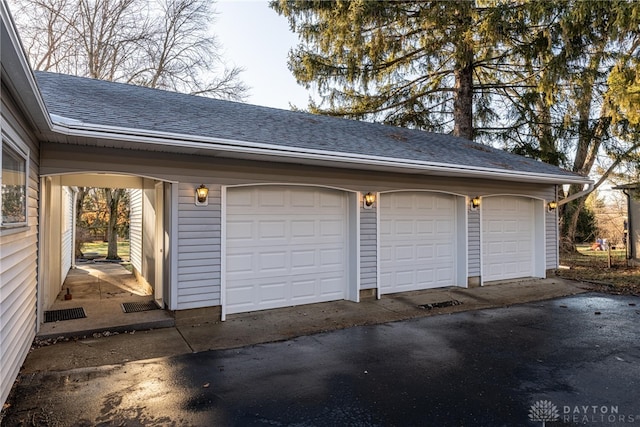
<point x="299" y="208"/>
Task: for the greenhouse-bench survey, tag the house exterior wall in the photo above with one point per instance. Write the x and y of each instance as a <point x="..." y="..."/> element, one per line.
<point x="552" y="235"/>
<point x="199" y="248"/>
<point x="18" y="257"/>
<point x="135" y="229"/>
<point x="368" y="248"/>
<point x="473" y="248"/>
<point x="199" y="231"/>
<point x="66" y="244"/>
<point x="51" y="244"/>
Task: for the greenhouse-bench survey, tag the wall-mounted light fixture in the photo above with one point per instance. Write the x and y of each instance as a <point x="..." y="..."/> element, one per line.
<point x="552" y="205"/>
<point x="475" y="203"/>
<point x="202" y="195"/>
<point x="369" y="200"/>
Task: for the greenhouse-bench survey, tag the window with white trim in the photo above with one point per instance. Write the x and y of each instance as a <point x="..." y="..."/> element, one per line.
<point x="13" y="180"/>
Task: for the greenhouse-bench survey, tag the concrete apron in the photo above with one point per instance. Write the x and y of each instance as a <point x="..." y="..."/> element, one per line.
<point x="239" y="330"/>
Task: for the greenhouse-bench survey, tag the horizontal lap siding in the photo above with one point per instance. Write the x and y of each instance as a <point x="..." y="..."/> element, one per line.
<point x="474" y="243"/>
<point x="67" y="251"/>
<point x="552" y="235"/>
<point x="199" y="244"/>
<point x="368" y="249"/>
<point x="135" y="228"/>
<point x="18" y="262"/>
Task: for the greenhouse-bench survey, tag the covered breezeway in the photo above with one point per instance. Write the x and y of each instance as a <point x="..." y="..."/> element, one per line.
<point x="100" y="288"/>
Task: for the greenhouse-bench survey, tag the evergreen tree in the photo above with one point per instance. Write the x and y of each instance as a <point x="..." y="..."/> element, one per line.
<point x="531" y="76"/>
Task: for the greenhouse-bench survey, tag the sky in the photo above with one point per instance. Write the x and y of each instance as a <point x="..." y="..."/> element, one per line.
<point x="256" y="38"/>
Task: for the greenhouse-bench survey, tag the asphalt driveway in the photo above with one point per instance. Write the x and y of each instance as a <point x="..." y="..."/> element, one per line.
<point x="568" y="361"/>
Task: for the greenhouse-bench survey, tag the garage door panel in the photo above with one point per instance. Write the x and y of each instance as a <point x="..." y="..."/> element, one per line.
<point x="404" y="228"/>
<point x="445" y="252"/>
<point x="332" y="228"/>
<point x="238" y="262"/>
<point x="302" y="289"/>
<point x="274" y="292"/>
<point x="331" y="258"/>
<point x="425" y="252"/>
<point x="286" y="247"/>
<point x="275" y="230"/>
<point x="444" y="275"/>
<point x="240" y="230"/>
<point x="270" y="198"/>
<point x="426" y="227"/>
<point x="404" y="253"/>
<point x="303" y="199"/>
<point x="331" y="287"/>
<point x="444" y="227"/>
<point x="273" y="262"/>
<point x="303" y="259"/>
<point x="303" y="228"/>
<point x="417" y="241"/>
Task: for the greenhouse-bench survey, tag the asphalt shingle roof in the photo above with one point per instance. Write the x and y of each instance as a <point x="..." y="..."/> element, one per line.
<point x="121" y="105"/>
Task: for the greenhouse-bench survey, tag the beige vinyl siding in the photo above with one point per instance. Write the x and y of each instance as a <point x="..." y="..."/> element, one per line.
<point x="368" y="248"/>
<point x="473" y="233"/>
<point x="18" y="261"/>
<point x="198" y="248"/>
<point x="135" y="228"/>
<point x="552" y="233"/>
<point x="66" y="244"/>
<point x="552" y="249"/>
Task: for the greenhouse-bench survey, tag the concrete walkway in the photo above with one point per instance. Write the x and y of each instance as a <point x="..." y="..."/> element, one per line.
<point x="281" y="324"/>
<point x="100" y="288"/>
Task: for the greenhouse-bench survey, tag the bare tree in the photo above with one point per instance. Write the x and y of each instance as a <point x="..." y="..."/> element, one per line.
<point x="165" y="44"/>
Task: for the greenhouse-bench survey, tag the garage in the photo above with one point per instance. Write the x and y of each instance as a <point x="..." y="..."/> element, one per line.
<point x="285" y="246"/>
<point x="508" y="238"/>
<point x="419" y="241"/>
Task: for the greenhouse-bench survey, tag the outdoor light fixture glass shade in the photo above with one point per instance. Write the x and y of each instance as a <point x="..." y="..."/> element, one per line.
<point x="552" y="205"/>
<point x="475" y="203"/>
<point x="202" y="195"/>
<point x="369" y="199"/>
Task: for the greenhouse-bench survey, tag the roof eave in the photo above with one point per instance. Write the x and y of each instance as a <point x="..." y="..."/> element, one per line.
<point x="18" y="76"/>
<point x="249" y="150"/>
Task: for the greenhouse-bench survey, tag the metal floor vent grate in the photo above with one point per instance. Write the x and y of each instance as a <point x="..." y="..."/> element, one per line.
<point x="442" y="304"/>
<point x="135" y="307"/>
<point x="66" y="314"/>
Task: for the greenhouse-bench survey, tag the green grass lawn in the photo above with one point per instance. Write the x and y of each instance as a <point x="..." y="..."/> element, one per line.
<point x="100" y="247"/>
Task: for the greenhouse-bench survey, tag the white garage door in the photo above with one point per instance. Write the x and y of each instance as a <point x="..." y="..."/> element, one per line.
<point x="507" y="238"/>
<point x="284" y="246"/>
<point x="417" y="241"/>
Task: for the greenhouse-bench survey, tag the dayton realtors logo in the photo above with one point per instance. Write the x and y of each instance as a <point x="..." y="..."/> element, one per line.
<point x="545" y="411"/>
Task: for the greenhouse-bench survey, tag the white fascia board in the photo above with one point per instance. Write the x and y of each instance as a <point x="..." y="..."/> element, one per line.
<point x="75" y="128"/>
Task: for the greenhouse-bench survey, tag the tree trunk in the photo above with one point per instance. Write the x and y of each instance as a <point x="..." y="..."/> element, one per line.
<point x="463" y="74"/>
<point x="81" y="234"/>
<point x="113" y="200"/>
<point x="570" y="218"/>
<point x="463" y="103"/>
